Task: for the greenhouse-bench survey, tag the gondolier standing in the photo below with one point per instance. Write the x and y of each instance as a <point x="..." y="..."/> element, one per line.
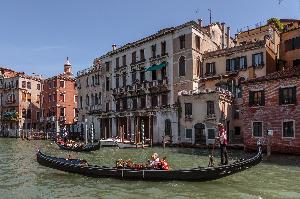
<point x="222" y="137"/>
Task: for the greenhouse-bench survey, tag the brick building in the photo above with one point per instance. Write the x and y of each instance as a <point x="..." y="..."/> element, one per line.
<point x="59" y="107"/>
<point x="272" y="103"/>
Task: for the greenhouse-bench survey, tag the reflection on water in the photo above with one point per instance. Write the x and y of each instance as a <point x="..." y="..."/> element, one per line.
<point x="22" y="177"/>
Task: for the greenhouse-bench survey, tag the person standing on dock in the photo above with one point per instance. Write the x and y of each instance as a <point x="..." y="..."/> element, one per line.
<point x="222" y="137"/>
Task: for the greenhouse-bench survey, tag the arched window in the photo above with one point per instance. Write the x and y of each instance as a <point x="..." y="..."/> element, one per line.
<point x="182" y="66"/>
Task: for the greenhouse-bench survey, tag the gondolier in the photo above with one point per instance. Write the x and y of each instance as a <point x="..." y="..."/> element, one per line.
<point x="222" y="137"/>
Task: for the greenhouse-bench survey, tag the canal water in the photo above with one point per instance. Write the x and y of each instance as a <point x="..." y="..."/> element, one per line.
<point x="21" y="177"/>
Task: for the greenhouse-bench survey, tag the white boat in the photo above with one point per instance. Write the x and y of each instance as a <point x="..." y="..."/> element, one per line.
<point x="109" y="142"/>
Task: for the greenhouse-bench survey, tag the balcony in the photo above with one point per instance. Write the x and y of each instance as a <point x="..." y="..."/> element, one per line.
<point x="95" y="109"/>
<point x="210" y="117"/>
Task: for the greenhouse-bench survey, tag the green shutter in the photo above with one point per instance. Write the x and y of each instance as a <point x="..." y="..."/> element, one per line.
<point x="237" y="63"/>
<point x="245" y="61"/>
<point x="280" y="96"/>
<point x="227" y="64"/>
<point x="251" y="98"/>
<point x="294" y="95"/>
<point x="262" y="102"/>
<point x="207" y="68"/>
<point x="214" y="67"/>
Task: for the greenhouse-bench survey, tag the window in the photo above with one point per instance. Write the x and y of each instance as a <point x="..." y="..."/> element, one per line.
<point x="61" y="83"/>
<point x="153" y="50"/>
<point x="292" y="44"/>
<point x="50" y="97"/>
<point x="87" y="100"/>
<point x="133" y="57"/>
<point x="163" y="48"/>
<point x="163" y="72"/>
<point x="134" y="103"/>
<point x="29" y="85"/>
<point x="142" y="76"/>
<point x="210" y="108"/>
<point x="232" y="64"/>
<point x="23" y="113"/>
<point x="143" y="102"/>
<point x="197" y="40"/>
<point x="80" y="101"/>
<point x="100" y="98"/>
<point x="124" y="104"/>
<point x="211" y="134"/>
<point x="23" y="84"/>
<point x="117" y="81"/>
<point x="288" y="129"/>
<point x="182" y="42"/>
<point x="188" y="109"/>
<point x="257" y="98"/>
<point x="107" y="84"/>
<point x="117" y="105"/>
<point x="142" y="54"/>
<point x="198" y="73"/>
<point x="61" y="97"/>
<point x="257" y="59"/>
<point x="257" y="129"/>
<point x="188" y="133"/>
<point x="237" y="130"/>
<point x="167" y="127"/>
<point x="154" y="101"/>
<point x="107" y="106"/>
<point x="96" y="99"/>
<point x="29" y="97"/>
<point x="133" y="76"/>
<point x="54" y="84"/>
<point x="62" y="111"/>
<point x="124" y="79"/>
<point x="164" y="99"/>
<point x="38" y="87"/>
<point x="243" y="62"/>
<point x="154" y="77"/>
<point x="296" y="62"/>
<point x="210" y="68"/>
<point x="28" y="114"/>
<point x="182" y="66"/>
<point x="37" y="115"/>
<point x="117" y="62"/>
<point x="124" y="60"/>
<point x="87" y="81"/>
<point x="93" y="81"/>
<point x="107" y="66"/>
<point x="23" y="97"/>
<point x="287" y="95"/>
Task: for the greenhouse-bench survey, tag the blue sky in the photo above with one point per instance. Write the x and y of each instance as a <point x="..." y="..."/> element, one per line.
<point x="36" y="36"/>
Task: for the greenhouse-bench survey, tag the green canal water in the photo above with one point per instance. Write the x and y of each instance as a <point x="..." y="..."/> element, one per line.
<point x="21" y="177"/>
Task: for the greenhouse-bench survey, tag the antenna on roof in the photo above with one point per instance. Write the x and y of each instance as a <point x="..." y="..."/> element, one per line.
<point x="209" y="16"/>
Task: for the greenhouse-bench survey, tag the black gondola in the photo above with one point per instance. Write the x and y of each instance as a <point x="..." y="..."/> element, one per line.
<point x="85" y="148"/>
<point x="195" y="174"/>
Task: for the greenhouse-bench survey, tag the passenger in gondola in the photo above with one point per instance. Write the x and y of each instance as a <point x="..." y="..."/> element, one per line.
<point x="222" y="138"/>
<point x="154" y="161"/>
<point x="164" y="164"/>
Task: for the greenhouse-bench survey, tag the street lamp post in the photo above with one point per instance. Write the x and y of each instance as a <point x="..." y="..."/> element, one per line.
<point x="86" y="131"/>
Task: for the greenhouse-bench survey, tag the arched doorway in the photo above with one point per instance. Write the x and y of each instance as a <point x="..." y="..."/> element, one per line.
<point x="200" y="137"/>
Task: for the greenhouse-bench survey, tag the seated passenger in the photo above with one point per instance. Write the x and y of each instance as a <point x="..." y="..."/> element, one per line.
<point x="154" y="161"/>
<point x="164" y="164"/>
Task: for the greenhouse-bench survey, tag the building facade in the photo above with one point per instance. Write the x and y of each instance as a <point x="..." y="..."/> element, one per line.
<point x="20" y="103"/>
<point x="270" y="107"/>
<point x="59" y="101"/>
<point x="290" y="47"/>
<point x="200" y="113"/>
<point x="132" y="91"/>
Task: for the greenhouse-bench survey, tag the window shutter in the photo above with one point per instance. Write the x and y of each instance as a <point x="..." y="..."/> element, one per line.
<point x="251" y="98"/>
<point x="294" y="95"/>
<point x="245" y="61"/>
<point x="253" y="60"/>
<point x="237" y="63"/>
<point x="262" y="98"/>
<point x="280" y="96"/>
<point x="262" y="58"/>
<point x="214" y="67"/>
<point x="207" y="108"/>
<point x="207" y="68"/>
<point x="227" y="64"/>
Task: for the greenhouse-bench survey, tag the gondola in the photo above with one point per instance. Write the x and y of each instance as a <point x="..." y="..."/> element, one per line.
<point x="195" y="174"/>
<point x="86" y="148"/>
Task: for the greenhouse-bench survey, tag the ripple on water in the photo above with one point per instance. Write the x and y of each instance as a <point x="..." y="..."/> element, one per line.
<point x="22" y="177"/>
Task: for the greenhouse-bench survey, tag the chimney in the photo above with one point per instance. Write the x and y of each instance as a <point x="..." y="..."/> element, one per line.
<point x="114" y="47"/>
<point x="228" y="37"/>
<point x="223" y="35"/>
<point x="200" y="22"/>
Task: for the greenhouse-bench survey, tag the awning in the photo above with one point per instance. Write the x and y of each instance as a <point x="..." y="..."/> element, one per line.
<point x="157" y="67"/>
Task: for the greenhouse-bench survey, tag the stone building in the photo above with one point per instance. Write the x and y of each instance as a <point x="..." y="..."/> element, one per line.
<point x="271" y="103"/>
<point x="59" y="101"/>
<point x="132" y="91"/>
<point x="20" y="102"/>
<point x="200" y="113"/>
